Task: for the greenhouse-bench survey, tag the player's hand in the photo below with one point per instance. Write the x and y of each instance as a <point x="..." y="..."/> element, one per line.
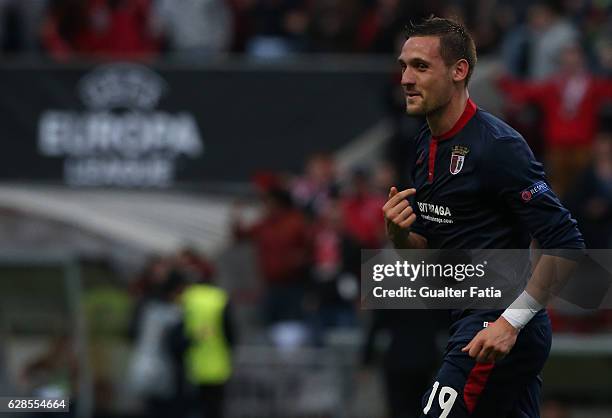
<point x="492" y="343"/>
<point x="399" y="215"/>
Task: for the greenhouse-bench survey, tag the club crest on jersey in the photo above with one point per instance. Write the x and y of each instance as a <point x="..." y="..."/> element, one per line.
<point x="458" y="154"/>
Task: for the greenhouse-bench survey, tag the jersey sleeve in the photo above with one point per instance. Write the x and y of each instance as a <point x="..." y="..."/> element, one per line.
<point x="518" y="181"/>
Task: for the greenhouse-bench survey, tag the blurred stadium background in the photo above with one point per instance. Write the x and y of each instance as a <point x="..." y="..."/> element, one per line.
<point x="153" y="144"/>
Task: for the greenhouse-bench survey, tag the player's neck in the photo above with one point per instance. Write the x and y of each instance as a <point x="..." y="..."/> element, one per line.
<point x="446" y="117"/>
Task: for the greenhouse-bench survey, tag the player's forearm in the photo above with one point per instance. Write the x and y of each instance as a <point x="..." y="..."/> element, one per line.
<point x="548" y="279"/>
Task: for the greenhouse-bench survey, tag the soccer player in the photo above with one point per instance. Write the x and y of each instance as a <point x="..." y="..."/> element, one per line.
<point x="477" y="185"/>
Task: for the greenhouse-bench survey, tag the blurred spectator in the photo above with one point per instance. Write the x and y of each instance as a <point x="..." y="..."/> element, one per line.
<point x="107" y="28"/>
<point x="361" y="211"/>
<point x="20" y="22"/>
<point x="311" y="192"/>
<point x="532" y="50"/>
<point x="410" y="356"/>
<point x="32" y="14"/>
<point x="603" y="50"/>
<point x="515" y="50"/>
<point x="333" y="25"/>
<point x="154" y="374"/>
<point x="383" y="22"/>
<point x="63" y="28"/>
<point x="588" y="16"/>
<point x="149" y="280"/>
<point x="275" y="27"/>
<point x="12" y="24"/>
<point x="194" y="265"/>
<point x="549" y="33"/>
<point x="241" y="22"/>
<point x="488" y="20"/>
<point x="172" y="354"/>
<point x="194" y="28"/>
<point x="591" y="198"/>
<point x="282" y="247"/>
<point x="54" y="373"/>
<point x="335" y="271"/>
<point x="570" y="101"/>
<point x="204" y="342"/>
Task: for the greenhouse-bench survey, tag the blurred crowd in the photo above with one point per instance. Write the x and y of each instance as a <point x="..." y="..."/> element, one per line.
<point x="182" y="334"/>
<point x="273" y="28"/>
<point x="309" y="238"/>
<point x="307" y="244"/>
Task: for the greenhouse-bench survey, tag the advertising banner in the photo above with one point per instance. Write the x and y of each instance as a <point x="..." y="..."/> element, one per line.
<point x="131" y="125"/>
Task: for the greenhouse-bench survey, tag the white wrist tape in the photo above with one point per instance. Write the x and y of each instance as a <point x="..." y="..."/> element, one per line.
<point x="522" y="310"/>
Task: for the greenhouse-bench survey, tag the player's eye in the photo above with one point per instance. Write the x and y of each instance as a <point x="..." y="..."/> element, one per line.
<point x="421" y="66"/>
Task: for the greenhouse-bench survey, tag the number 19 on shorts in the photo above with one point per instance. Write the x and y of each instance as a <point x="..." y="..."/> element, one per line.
<point x="446" y="399"/>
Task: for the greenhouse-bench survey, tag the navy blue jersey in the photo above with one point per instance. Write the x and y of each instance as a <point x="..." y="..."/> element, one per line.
<point x="479" y="186"/>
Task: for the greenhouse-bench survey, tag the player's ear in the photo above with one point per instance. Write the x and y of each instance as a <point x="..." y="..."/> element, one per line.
<point x="460" y="70"/>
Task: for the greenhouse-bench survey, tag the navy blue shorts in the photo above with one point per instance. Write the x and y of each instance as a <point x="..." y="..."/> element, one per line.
<point x="509" y="388"/>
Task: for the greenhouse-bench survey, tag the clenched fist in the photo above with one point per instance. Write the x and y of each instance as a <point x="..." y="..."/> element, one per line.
<point x="399" y="215"/>
<point x="492" y="343"/>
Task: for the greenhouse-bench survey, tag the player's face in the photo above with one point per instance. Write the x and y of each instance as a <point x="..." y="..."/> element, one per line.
<point x="426" y="79"/>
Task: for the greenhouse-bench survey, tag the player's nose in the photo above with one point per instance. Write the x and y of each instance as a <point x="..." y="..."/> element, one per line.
<point x="408" y="78"/>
